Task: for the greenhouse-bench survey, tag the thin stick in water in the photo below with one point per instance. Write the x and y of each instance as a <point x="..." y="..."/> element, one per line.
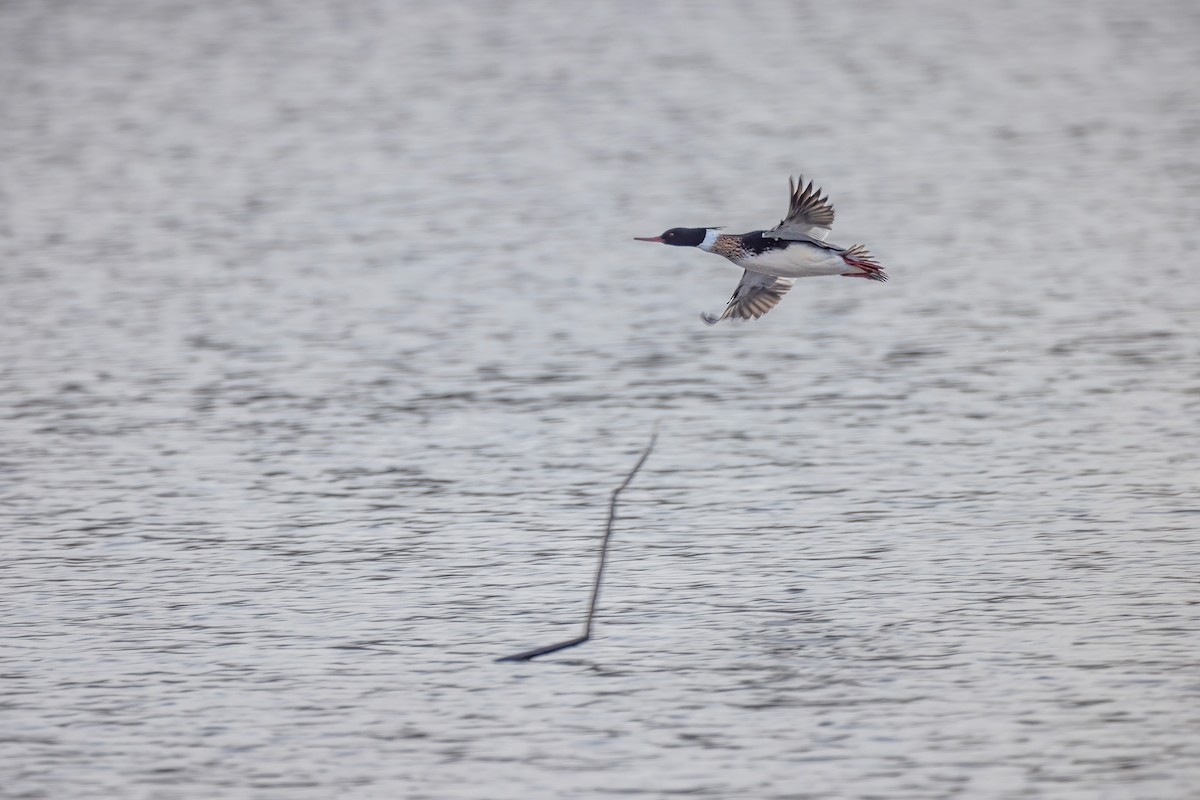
<point x="608" y="529"/>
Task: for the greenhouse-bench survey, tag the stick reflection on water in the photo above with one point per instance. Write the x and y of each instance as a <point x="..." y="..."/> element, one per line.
<point x="587" y="625"/>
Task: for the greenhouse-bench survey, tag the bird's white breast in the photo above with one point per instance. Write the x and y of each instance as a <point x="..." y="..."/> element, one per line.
<point x="797" y="261"/>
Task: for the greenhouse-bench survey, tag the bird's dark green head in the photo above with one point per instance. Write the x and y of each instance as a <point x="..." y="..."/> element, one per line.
<point x="680" y="237"/>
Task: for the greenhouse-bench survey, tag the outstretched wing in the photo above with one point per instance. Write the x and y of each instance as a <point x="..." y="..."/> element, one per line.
<point x="754" y="296"/>
<point x="810" y="216"/>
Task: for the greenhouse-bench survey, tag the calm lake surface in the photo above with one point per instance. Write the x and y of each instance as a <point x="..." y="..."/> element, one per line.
<point x="325" y="341"/>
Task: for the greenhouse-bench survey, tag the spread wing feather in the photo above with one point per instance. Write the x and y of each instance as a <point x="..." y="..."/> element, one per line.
<point x="810" y="216"/>
<point x="755" y="295"/>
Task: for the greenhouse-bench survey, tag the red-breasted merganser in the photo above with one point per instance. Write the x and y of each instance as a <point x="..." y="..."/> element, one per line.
<point x="774" y="259"/>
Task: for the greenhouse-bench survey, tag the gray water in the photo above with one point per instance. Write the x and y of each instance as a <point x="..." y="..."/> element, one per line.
<point x="325" y="342"/>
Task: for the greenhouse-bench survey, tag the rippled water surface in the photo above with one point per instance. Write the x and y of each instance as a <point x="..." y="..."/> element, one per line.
<point x="325" y="341"/>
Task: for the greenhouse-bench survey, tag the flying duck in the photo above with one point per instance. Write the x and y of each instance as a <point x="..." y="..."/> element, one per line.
<point x="774" y="259"/>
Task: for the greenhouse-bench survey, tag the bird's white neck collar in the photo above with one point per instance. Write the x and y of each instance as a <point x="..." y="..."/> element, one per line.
<point x="710" y="238"/>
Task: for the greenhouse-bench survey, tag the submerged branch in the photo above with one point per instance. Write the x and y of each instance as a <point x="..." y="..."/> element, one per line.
<point x="608" y="529"/>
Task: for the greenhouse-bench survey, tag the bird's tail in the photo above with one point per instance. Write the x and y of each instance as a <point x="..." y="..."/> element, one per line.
<point x="857" y="256"/>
